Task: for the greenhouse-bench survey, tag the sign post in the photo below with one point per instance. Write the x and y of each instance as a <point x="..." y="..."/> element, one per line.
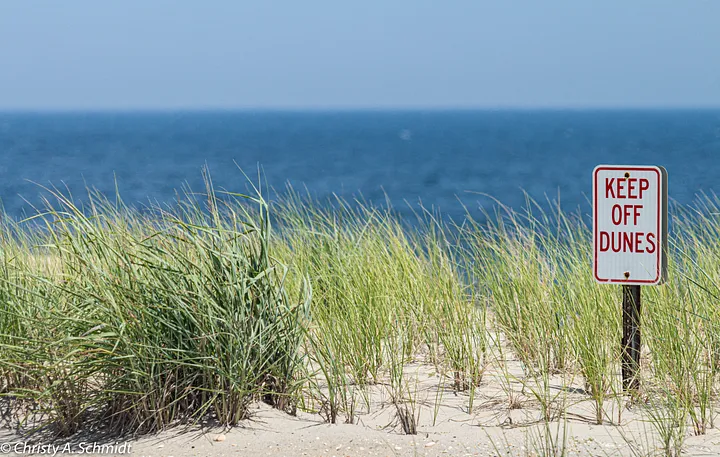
<point x="630" y="337"/>
<point x="630" y="244"/>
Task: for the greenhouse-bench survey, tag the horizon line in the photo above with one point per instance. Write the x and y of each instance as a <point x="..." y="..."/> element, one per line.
<point x="348" y="109"/>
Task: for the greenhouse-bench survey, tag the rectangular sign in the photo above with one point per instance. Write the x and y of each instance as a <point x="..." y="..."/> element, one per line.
<point x="629" y="224"/>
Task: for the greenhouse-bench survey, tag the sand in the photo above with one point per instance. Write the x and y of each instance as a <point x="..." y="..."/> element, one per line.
<point x="504" y="420"/>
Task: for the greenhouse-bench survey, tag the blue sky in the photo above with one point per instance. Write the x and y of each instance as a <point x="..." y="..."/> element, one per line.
<point x="162" y="54"/>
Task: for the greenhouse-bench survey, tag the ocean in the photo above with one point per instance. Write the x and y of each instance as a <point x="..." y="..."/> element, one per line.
<point x="451" y="161"/>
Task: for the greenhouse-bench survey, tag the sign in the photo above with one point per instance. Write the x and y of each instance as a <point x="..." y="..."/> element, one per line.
<point x="629" y="224"/>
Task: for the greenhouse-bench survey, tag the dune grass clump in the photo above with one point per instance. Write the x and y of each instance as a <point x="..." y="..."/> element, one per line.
<point x="152" y="320"/>
<point x="519" y="268"/>
<point x="374" y="281"/>
<point x="535" y="268"/>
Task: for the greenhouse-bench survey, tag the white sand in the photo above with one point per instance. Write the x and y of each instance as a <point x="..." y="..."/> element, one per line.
<point x="445" y="426"/>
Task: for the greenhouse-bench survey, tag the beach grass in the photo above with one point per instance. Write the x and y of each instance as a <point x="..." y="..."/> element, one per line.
<point x="139" y="320"/>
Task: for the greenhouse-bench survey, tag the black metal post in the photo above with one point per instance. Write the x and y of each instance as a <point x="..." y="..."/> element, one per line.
<point x="631" y="338"/>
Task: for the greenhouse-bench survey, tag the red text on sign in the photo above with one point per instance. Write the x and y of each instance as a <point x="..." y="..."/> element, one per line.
<point x="638" y="242"/>
<point x="632" y="188"/>
<point x="621" y="214"/>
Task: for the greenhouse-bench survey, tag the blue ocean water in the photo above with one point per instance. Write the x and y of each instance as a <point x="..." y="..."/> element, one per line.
<point x="441" y="158"/>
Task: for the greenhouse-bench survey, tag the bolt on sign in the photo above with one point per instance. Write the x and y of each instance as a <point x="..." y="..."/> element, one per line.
<point x="629" y="224"/>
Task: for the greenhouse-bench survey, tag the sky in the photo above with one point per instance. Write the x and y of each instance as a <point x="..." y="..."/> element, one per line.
<point x="375" y="54"/>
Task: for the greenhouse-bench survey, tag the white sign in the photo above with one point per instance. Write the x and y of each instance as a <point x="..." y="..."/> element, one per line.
<point x="629" y="224"/>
